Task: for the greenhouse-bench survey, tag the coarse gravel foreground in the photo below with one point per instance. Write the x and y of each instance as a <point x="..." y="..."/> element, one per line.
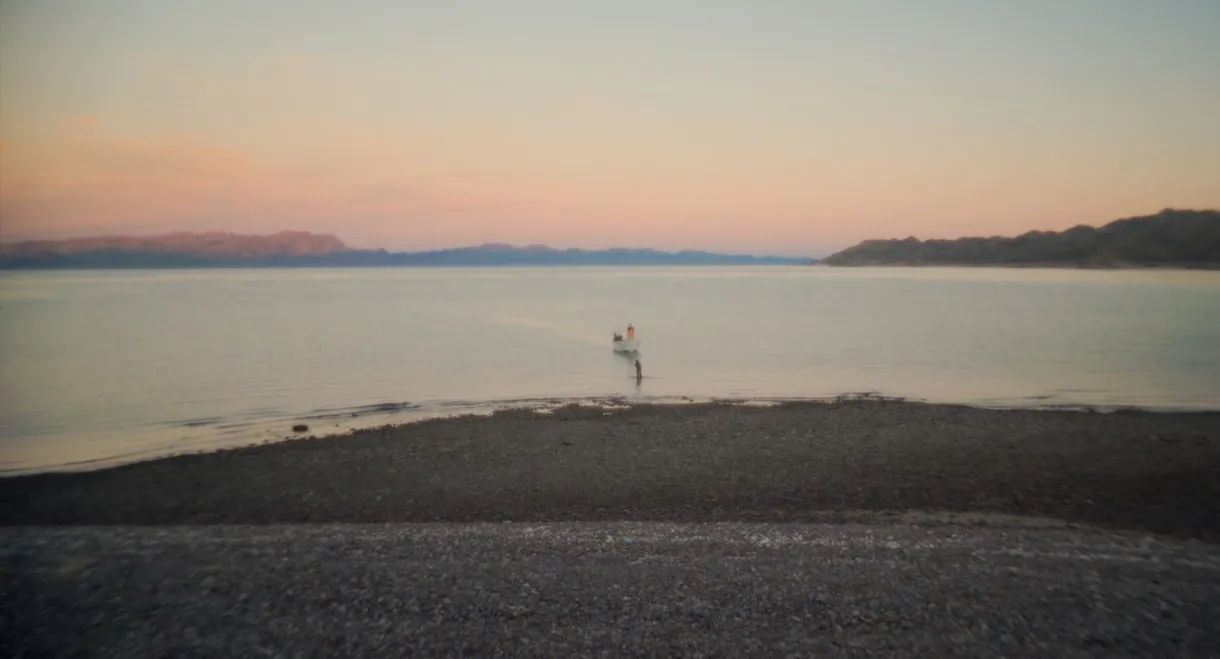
<point x="859" y="528"/>
<point x="605" y="589"/>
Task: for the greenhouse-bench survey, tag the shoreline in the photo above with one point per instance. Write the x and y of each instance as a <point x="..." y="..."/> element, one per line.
<point x="797" y="263"/>
<point x="328" y="422"/>
<point x="864" y="459"/>
<point x="1172" y="267"/>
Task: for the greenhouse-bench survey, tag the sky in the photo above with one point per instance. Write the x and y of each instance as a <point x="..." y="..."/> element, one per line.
<point x="764" y="126"/>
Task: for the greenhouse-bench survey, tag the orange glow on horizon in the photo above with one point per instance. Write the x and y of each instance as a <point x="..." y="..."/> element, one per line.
<point x="414" y="127"/>
<point x="77" y="182"/>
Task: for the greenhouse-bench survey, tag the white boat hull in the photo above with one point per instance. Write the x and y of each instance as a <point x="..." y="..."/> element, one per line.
<point x="632" y="345"/>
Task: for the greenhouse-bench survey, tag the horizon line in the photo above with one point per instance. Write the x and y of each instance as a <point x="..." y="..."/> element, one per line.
<point x="817" y="253"/>
<point x="348" y="247"/>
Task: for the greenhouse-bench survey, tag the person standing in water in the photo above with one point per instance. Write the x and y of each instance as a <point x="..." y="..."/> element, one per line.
<point x="639" y="372"/>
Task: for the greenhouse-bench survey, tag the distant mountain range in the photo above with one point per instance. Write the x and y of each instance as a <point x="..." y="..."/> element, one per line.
<point x="1178" y="238"/>
<point x="304" y="249"/>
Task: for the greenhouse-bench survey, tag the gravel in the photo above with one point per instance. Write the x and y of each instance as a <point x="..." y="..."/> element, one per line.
<point x="800" y="462"/>
<point x="857" y="528"/>
<point x="605" y="589"/>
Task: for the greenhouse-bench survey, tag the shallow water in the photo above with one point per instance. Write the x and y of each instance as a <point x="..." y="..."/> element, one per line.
<point x="99" y="367"/>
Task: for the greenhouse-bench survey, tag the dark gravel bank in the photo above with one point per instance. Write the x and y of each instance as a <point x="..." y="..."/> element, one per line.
<point x="798" y="462"/>
<point x="616" y="589"/>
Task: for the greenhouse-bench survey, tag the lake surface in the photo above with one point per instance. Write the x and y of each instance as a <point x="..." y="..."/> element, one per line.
<point x="103" y="367"/>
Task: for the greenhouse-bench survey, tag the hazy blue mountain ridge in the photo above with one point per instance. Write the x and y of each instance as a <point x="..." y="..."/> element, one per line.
<point x="302" y="249"/>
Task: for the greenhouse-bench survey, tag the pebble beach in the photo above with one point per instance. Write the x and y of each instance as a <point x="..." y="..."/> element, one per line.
<point x="849" y="528"/>
<point x="808" y="461"/>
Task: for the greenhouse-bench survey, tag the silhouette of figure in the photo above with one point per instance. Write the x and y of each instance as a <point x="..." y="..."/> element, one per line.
<point x="639" y="372"/>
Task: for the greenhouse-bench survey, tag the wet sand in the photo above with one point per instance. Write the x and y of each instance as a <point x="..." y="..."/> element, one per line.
<point x="797" y="462"/>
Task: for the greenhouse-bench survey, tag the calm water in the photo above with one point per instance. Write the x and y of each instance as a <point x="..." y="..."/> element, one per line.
<point x="99" y="367"/>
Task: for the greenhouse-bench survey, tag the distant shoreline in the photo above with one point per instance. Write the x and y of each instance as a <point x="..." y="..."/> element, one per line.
<point x="303" y="249"/>
<point x="1030" y="266"/>
<point x="489" y="266"/>
<point x="1171" y="238"/>
<point x="391" y="266"/>
<point x="824" y="461"/>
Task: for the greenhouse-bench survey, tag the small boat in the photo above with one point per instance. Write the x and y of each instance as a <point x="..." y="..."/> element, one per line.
<point x="630" y="345"/>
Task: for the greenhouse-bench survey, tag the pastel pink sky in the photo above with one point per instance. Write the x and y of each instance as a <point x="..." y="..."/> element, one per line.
<point x="771" y="127"/>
